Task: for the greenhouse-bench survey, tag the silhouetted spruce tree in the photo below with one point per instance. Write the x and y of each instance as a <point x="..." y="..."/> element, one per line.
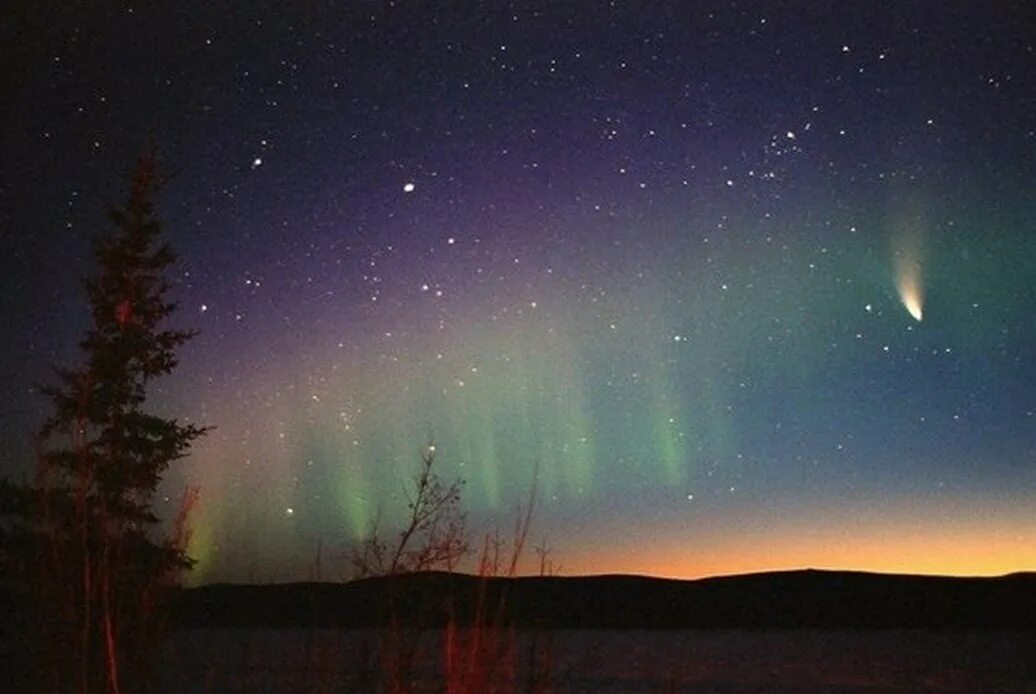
<point x="97" y="567"/>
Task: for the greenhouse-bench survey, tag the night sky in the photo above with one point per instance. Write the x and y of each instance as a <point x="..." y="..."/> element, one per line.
<point x="746" y="286"/>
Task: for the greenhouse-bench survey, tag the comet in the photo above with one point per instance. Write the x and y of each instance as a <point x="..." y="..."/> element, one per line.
<point x="910" y="287"/>
<point x="907" y="256"/>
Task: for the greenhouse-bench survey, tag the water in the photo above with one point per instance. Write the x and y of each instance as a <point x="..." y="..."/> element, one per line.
<point x="313" y="660"/>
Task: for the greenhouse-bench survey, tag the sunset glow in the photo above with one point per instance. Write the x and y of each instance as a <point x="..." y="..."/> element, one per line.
<point x="902" y="541"/>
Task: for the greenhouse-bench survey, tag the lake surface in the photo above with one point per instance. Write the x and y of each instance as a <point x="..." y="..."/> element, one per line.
<point x="305" y="660"/>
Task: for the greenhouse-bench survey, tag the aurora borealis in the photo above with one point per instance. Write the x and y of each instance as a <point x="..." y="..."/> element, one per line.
<point x="736" y="286"/>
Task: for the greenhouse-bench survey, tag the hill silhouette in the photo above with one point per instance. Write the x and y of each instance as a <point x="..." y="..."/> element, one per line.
<point x="783" y="600"/>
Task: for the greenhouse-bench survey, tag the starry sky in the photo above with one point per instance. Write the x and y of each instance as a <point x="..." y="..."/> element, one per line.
<point x="736" y="286"/>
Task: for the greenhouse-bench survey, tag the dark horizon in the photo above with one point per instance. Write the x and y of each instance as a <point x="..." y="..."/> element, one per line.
<point x="325" y="580"/>
<point x="788" y="599"/>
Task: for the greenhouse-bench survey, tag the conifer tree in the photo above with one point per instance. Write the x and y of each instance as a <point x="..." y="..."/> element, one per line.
<point x="97" y="567"/>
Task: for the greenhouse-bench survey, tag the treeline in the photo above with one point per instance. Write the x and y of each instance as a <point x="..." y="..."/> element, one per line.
<point x="782" y="600"/>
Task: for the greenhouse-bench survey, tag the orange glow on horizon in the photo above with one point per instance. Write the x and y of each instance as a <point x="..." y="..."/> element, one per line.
<point x="954" y="548"/>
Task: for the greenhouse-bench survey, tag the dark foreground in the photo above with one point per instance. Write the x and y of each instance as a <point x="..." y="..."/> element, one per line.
<point x="798" y="631"/>
<point x="314" y="660"/>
